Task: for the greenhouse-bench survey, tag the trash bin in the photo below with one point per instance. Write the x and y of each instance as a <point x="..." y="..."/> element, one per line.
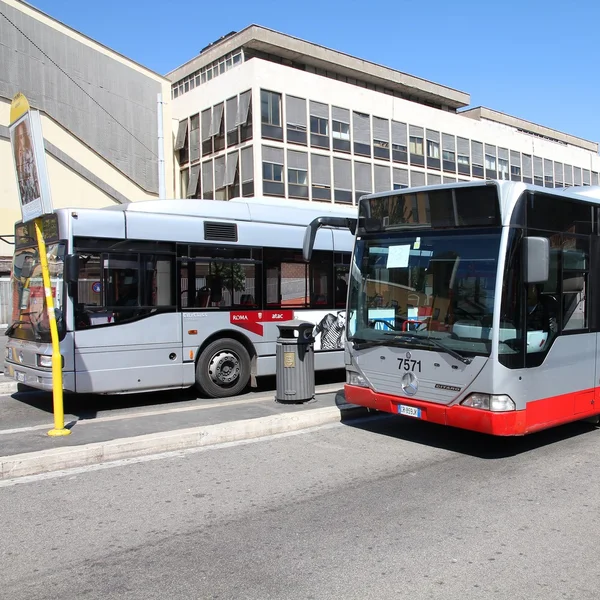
<point x="295" y="362"/>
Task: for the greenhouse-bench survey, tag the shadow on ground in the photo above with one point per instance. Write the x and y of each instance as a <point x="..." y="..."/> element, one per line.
<point x="462" y="441"/>
<point x="87" y="406"/>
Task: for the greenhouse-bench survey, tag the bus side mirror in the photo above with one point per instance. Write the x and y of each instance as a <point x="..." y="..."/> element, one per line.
<point x="536" y="259"/>
<point x="72" y="268"/>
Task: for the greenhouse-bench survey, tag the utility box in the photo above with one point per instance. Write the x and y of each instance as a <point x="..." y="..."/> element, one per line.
<point x="295" y="366"/>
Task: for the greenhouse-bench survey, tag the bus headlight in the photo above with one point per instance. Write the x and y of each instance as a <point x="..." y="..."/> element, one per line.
<point x="44" y="361"/>
<point x="491" y="402"/>
<point x="353" y="378"/>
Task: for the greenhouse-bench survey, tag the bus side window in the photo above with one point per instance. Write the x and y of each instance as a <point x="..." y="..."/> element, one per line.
<point x="320" y="280"/>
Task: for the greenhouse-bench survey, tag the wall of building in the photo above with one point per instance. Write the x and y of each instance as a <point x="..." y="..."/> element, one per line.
<point x="101" y="148"/>
<point x="549" y="156"/>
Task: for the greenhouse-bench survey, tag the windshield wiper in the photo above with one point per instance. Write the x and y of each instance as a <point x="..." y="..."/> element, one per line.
<point x="11" y="328"/>
<point x="427" y="341"/>
<point x="451" y="352"/>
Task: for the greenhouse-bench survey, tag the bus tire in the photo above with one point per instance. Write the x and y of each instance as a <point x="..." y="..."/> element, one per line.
<point x="223" y="369"/>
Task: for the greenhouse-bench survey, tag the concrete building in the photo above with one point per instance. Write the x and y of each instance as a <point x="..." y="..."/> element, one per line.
<point x="99" y="116"/>
<point x="261" y="112"/>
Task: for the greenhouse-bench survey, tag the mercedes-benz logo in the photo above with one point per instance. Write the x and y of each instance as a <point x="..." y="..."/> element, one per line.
<point x="410" y="384"/>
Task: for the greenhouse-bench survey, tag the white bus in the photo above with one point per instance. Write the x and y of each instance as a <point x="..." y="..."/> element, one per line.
<point x="166" y="294"/>
<point x="476" y="305"/>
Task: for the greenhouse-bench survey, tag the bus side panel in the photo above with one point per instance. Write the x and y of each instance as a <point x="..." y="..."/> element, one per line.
<point x="557" y="390"/>
<point x="138" y="356"/>
<point x="560" y="390"/>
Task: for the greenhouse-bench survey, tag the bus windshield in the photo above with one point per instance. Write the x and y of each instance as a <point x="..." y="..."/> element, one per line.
<point x="428" y="289"/>
<point x="29" y="315"/>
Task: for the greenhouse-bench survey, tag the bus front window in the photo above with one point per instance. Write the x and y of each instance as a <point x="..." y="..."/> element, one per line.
<point x="29" y="314"/>
<point x="438" y="286"/>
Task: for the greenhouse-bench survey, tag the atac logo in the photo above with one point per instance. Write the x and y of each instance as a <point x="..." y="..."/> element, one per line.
<point x="277" y="317"/>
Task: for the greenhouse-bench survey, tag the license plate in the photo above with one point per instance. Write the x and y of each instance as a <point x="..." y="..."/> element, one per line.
<point x="409" y="411"/>
<point x="19" y="376"/>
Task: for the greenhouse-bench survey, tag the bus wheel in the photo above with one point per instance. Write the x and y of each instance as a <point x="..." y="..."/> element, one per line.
<point x="223" y="369"/>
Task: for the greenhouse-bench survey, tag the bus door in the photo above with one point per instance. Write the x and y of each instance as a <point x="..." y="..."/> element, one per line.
<point x="128" y="335"/>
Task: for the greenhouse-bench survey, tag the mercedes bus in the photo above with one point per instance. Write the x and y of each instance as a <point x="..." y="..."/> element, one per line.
<point x="166" y="294"/>
<point x="475" y="305"/>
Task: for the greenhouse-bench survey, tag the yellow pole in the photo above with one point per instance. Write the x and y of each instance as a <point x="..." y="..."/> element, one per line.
<point x="57" y="387"/>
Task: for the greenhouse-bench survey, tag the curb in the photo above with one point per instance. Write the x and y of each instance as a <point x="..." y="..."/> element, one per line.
<point x="56" y="459"/>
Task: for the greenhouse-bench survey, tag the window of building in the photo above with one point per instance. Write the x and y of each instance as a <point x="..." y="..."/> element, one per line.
<point x="208" y="190"/>
<point x="538" y="171"/>
<point x="272" y="168"/>
<point x="448" y="153"/>
<point x="297" y="174"/>
<point x="342" y="180"/>
<point x="244" y="118"/>
<point x="340" y="129"/>
<point x="527" y="168"/>
<point x="415" y="145"/>
<point x="195" y="138"/>
<point x="320" y="176"/>
<point x="477" y="159"/>
<point x="399" y="179"/>
<point x="231" y="120"/>
<point x="463" y="156"/>
<point x="247" y="174"/>
<point x="181" y="142"/>
<point x="381" y="138"/>
<point x="361" y="129"/>
<point x="270" y="112"/>
<point x="296" y="120"/>
<point x="433" y="149"/>
<point x="319" y="125"/>
<point x="184" y="178"/>
<point x="515" y="166"/>
<point x="218" y="127"/>
<point x="231" y="182"/>
<point x="381" y="177"/>
<point x="548" y="173"/>
<point x="207" y="139"/>
<point x="193" y="187"/>
<point x="363" y="180"/>
<point x="399" y="143"/>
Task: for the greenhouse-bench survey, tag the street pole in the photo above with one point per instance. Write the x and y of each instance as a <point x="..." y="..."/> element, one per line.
<point x="57" y="383"/>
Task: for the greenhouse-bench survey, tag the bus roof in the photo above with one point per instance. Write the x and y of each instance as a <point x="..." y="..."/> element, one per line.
<point x="510" y="191"/>
<point x="264" y="210"/>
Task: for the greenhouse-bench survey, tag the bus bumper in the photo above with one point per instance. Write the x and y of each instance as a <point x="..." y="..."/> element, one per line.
<point x="37" y="378"/>
<point x="483" y="421"/>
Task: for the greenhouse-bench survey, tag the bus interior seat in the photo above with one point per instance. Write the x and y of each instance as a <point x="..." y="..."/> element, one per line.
<point x="247" y="300"/>
<point x="203" y="297"/>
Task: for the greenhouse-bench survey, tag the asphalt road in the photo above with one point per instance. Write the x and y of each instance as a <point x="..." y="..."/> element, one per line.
<point x="389" y="509"/>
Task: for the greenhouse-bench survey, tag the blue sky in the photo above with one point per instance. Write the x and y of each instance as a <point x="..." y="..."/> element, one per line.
<point x="534" y="59"/>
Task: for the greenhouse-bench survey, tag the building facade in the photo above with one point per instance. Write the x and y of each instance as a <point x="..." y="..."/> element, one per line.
<point x="260" y="112"/>
<point x="99" y="115"/>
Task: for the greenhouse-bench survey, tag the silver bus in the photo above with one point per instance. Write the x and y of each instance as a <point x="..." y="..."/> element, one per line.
<point x="166" y="294"/>
<point x="476" y="305"/>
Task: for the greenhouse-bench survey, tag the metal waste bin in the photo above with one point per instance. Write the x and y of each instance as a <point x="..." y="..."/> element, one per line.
<point x="295" y="362"/>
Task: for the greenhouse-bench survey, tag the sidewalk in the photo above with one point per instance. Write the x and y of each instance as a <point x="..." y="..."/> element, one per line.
<point x="151" y="427"/>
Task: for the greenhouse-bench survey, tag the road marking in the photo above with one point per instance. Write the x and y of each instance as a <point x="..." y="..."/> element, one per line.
<point x="161" y="456"/>
<point x="174" y="410"/>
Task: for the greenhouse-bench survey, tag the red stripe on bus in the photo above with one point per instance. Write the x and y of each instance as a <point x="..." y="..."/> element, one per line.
<point x="539" y="414"/>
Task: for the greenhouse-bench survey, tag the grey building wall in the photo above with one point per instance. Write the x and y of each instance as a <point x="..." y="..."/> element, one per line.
<point x="128" y="95"/>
